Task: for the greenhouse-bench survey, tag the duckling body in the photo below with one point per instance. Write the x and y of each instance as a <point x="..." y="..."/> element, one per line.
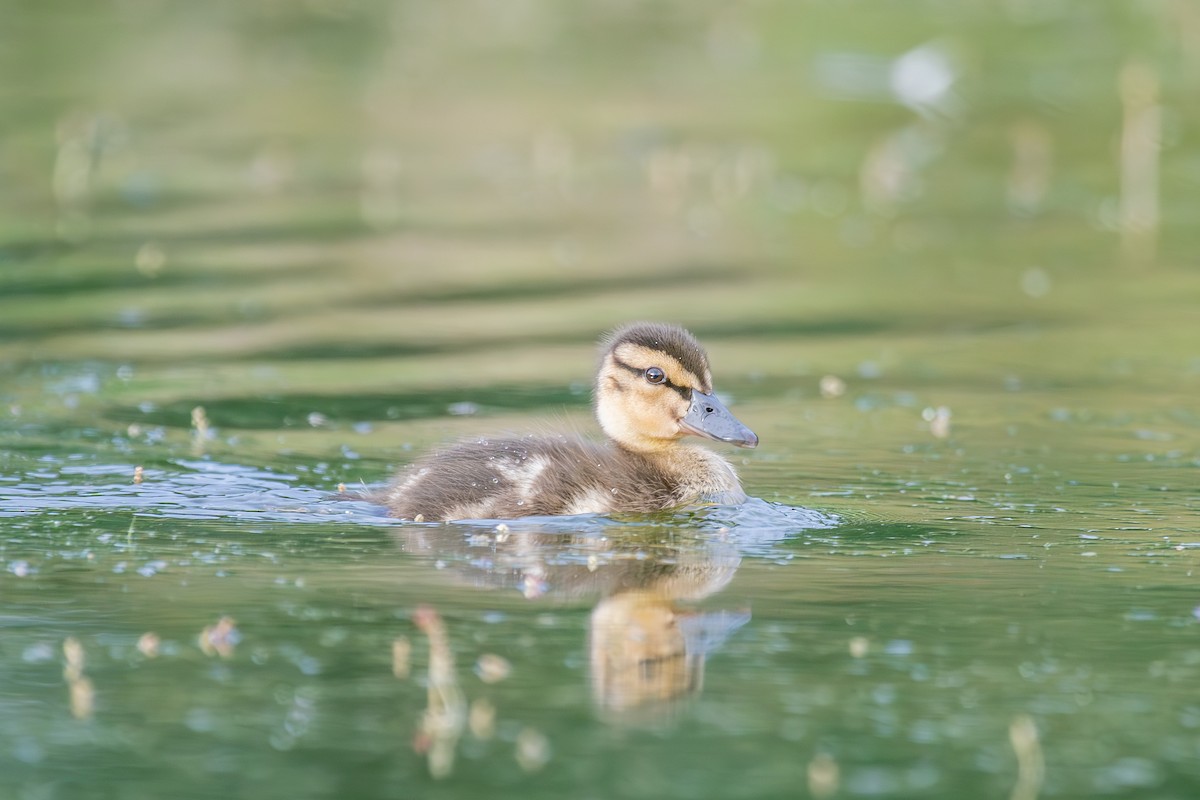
<point x="653" y="388"/>
<point x="535" y="476"/>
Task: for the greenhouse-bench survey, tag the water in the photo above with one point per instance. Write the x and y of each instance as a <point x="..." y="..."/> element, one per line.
<point x="963" y="331"/>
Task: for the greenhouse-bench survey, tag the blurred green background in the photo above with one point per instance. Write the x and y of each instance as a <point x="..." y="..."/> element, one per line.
<point x="942" y="255"/>
<point x="243" y="199"/>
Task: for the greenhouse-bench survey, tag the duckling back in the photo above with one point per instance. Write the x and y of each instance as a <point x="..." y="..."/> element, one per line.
<point x="535" y="476"/>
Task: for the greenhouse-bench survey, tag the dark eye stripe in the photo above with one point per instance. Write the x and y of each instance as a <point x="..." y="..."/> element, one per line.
<point x="629" y="367"/>
<point x="683" y="391"/>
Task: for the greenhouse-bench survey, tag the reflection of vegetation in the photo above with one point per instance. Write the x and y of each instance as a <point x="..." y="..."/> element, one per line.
<point x="82" y="693"/>
<point x="445" y="714"/>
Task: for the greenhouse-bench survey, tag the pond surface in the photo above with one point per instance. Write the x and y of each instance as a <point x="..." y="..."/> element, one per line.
<point x="943" y="258"/>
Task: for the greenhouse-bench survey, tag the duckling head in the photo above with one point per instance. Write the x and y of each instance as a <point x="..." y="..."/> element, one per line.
<point x="655" y="386"/>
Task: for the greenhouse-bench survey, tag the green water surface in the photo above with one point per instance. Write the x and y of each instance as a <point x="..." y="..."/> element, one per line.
<point x="352" y="230"/>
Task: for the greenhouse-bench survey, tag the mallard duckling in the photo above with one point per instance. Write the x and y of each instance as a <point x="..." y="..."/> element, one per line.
<point x="653" y="388"/>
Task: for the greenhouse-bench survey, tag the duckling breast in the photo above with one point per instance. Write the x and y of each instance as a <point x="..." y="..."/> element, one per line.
<point x="702" y="476"/>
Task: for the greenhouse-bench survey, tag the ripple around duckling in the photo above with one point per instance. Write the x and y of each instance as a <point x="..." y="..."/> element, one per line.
<point x="755" y="527"/>
<point x="203" y="489"/>
<point x="184" y="489"/>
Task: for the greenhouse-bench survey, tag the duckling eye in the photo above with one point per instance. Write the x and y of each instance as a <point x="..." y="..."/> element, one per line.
<point x="655" y="375"/>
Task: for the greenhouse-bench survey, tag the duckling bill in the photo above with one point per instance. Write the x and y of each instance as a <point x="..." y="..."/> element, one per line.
<point x="654" y="387"/>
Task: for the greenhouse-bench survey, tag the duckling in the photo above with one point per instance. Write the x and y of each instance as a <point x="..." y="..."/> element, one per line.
<point x="653" y="388"/>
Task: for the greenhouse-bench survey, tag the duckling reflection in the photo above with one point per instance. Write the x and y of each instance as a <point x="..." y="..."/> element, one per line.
<point x="646" y="648"/>
<point x="647" y="654"/>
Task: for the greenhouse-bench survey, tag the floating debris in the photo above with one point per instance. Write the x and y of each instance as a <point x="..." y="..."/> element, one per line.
<point x="533" y="750"/>
<point x="317" y="420"/>
<point x="81" y="691"/>
<point x="201" y="429"/>
<point x="401" y="655"/>
<point x="859" y="646"/>
<point x="138" y="474"/>
<point x="939" y="421"/>
<point x="83" y="698"/>
<point x="220" y="639"/>
<point x="200" y="421"/>
<point x="148" y="644"/>
<point x="832" y="386"/>
<point x="922" y="78"/>
<point x="445" y="713"/>
<point x="1031" y="764"/>
<point x="75" y="659"/>
<point x="823" y="776"/>
<point x="492" y="668"/>
<point x="341" y="487"/>
<point x="482" y="719"/>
